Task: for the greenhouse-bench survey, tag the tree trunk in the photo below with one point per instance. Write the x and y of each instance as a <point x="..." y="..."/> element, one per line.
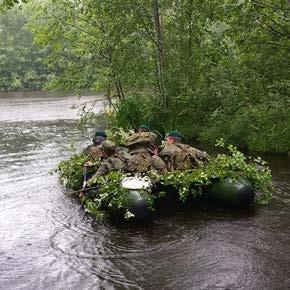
<point x="160" y="52"/>
<point x="190" y="41"/>
<point x="120" y="89"/>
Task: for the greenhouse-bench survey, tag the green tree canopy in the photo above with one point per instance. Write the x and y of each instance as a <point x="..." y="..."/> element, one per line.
<point x="21" y="61"/>
<point x="209" y="68"/>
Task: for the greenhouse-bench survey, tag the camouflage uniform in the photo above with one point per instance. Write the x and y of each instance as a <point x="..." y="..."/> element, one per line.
<point x="182" y="156"/>
<point x="141" y="149"/>
<point x="140" y="160"/>
<point x="95" y="152"/>
<point x="117" y="161"/>
<point x="158" y="164"/>
<point x="141" y="139"/>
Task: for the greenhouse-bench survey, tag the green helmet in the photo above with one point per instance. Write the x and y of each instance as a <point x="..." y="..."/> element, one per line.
<point x="175" y="134"/>
<point x="101" y="133"/>
<point x="145" y="127"/>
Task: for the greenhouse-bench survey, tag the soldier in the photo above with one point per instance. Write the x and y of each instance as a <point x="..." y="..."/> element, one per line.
<point x="94" y="151"/>
<point x="181" y="156"/>
<point x="142" y="148"/>
<point x="113" y="160"/>
<point x="144" y="128"/>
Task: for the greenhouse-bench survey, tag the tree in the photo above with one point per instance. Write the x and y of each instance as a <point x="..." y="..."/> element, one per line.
<point x="21" y="62"/>
<point x="8" y="4"/>
<point x="210" y="68"/>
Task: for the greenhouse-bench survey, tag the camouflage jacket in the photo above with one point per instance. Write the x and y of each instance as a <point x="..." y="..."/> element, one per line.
<point x="95" y="152"/>
<point x="118" y="161"/>
<point x="141" y="159"/>
<point x="182" y="156"/>
<point x="139" y="148"/>
<point x="141" y="139"/>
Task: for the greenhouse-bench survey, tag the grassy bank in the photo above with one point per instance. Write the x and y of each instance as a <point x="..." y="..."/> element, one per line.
<point x="261" y="127"/>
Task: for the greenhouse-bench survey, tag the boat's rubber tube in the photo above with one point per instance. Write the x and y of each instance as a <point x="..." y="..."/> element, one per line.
<point x="238" y="193"/>
<point x="137" y="203"/>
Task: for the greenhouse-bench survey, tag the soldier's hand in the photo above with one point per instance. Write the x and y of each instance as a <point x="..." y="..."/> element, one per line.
<point x="88" y="164"/>
<point x="81" y="194"/>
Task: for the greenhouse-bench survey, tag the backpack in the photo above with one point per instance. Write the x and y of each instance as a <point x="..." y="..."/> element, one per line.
<point x="141" y="139"/>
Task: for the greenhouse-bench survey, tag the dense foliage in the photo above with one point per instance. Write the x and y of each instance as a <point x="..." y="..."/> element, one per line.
<point x="6" y="4"/>
<point x="210" y="68"/>
<point x="233" y="166"/>
<point x="21" y="62"/>
<point x="71" y="171"/>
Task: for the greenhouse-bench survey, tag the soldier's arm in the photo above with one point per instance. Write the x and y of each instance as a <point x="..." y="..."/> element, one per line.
<point x="102" y="170"/>
<point x="202" y="155"/>
<point x="158" y="164"/>
<point x="193" y="155"/>
<point x="168" y="150"/>
<point x="95" y="152"/>
<point x="197" y="154"/>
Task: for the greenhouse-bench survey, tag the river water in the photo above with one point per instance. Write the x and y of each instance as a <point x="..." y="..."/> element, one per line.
<point x="48" y="242"/>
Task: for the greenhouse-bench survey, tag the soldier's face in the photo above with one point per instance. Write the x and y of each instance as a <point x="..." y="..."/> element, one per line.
<point x="98" y="140"/>
<point x="170" y="140"/>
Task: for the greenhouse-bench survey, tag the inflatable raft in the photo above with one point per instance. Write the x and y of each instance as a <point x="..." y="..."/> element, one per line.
<point x="227" y="192"/>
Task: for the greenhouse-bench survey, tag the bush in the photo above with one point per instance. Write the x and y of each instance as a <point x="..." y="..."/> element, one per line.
<point x="264" y="128"/>
<point x="138" y="109"/>
<point x="71" y="171"/>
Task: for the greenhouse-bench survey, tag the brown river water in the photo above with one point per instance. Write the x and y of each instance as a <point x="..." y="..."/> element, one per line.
<point x="48" y="242"/>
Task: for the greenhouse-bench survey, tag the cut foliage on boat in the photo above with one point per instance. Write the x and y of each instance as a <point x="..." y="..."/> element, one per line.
<point x="231" y="177"/>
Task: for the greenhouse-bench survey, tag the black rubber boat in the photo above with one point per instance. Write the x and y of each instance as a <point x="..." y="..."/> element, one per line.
<point x="227" y="192"/>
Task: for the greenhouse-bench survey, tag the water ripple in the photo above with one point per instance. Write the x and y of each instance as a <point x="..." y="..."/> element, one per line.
<point x="47" y="241"/>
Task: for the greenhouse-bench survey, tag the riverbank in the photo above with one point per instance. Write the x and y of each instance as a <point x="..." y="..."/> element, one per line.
<point x="261" y="127"/>
<point x="260" y="134"/>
